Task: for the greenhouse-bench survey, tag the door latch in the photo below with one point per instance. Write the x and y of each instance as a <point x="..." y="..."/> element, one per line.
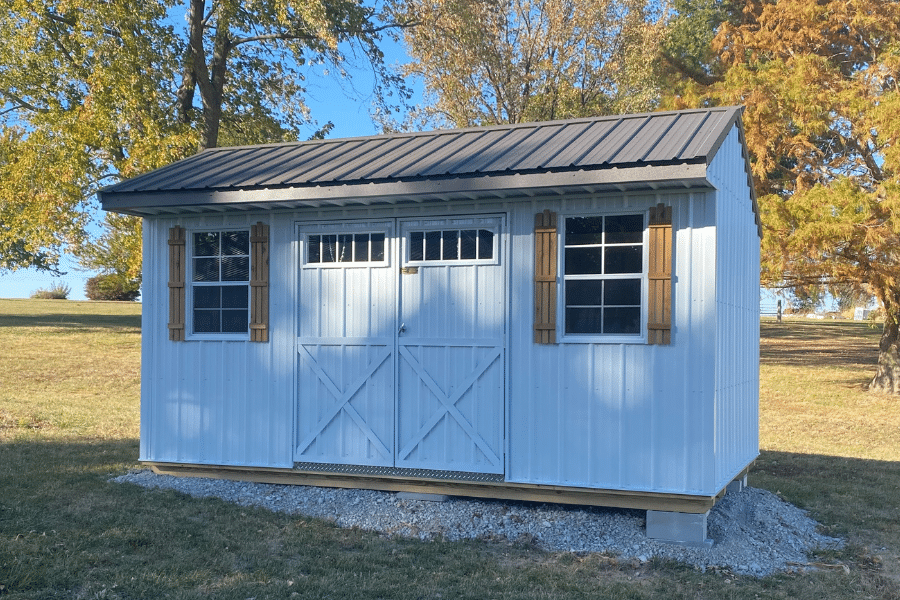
<point x="402" y="328"/>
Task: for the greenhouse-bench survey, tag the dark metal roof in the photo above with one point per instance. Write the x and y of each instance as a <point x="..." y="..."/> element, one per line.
<point x="627" y="150"/>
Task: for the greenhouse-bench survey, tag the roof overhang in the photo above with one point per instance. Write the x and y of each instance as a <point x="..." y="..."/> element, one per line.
<point x="503" y="185"/>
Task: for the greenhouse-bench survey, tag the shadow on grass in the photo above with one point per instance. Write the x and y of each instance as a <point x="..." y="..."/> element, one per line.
<point x="73" y="321"/>
<point x="66" y="531"/>
<point x="829" y="344"/>
<point x="850" y="497"/>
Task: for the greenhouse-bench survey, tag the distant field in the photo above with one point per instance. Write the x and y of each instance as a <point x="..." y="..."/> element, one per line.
<point x="69" y="419"/>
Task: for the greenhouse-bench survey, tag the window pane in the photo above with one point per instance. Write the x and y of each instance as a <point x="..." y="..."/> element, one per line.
<point x="207" y="321"/>
<point x="485" y="244"/>
<point x="432" y="245"/>
<point x="234" y="321"/>
<point x="361" y="247"/>
<point x="377" y="246"/>
<point x="583" y="320"/>
<point x="622" y="292"/>
<point x="584" y="293"/>
<point x="584" y="261"/>
<point x="206" y="244"/>
<point x="313" y="251"/>
<point x="234" y="296"/>
<point x="345" y="248"/>
<point x="623" y="229"/>
<point x="235" y="242"/>
<point x="584" y="230"/>
<point x="622" y="320"/>
<point x="329" y="248"/>
<point x="236" y="268"/>
<point x="207" y="296"/>
<point x="468" y="244"/>
<point x="206" y="269"/>
<point x="624" y="259"/>
<point x="416" y="240"/>
<point x="451" y="245"/>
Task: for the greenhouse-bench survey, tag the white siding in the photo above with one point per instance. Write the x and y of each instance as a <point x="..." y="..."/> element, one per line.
<point x="678" y="418"/>
<point x="737" y="308"/>
<point x="618" y="416"/>
<point x="216" y="402"/>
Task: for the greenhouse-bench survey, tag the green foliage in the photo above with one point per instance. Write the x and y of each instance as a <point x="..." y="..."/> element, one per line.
<point x="112" y="287"/>
<point x="57" y="291"/>
<point x="512" y="61"/>
<point x="93" y="92"/>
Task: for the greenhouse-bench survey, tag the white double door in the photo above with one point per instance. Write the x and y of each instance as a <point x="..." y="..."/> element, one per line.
<point x="401" y="345"/>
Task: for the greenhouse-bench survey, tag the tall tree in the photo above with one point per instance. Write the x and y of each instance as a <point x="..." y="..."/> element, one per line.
<point x="820" y="82"/>
<point x="93" y="92"/>
<point x="506" y="61"/>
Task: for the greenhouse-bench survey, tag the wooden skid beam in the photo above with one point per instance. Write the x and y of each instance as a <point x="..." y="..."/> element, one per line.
<point x="498" y="490"/>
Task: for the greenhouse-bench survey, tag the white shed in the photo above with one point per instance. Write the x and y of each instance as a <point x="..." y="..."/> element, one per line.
<point x="563" y="311"/>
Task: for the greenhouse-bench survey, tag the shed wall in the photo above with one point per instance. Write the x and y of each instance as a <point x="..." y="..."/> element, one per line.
<point x="618" y="416"/>
<point x="615" y="416"/>
<point x="215" y="402"/>
<point x="737" y="310"/>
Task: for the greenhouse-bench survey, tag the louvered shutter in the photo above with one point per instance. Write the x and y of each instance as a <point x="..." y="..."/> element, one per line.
<point x="177" y="269"/>
<point x="259" y="283"/>
<point x="545" y="260"/>
<point x="659" y="326"/>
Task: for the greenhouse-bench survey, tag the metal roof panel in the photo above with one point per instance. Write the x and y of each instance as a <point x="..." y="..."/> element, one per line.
<point x="690" y="136"/>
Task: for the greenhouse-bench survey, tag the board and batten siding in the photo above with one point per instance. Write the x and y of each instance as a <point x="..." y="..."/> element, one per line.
<point x="618" y="416"/>
<point x="216" y="402"/>
<point x="737" y="310"/>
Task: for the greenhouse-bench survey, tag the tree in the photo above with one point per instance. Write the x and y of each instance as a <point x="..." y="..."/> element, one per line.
<point x="93" y="92"/>
<point x="819" y="79"/>
<point x="487" y="62"/>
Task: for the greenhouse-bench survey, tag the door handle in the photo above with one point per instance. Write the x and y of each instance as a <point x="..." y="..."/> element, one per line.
<point x="402" y="328"/>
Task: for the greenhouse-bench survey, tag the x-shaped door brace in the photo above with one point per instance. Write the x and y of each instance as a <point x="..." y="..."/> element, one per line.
<point x="449" y="404"/>
<point x="343" y="400"/>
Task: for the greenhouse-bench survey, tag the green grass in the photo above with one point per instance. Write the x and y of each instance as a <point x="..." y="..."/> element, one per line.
<point x="69" y="420"/>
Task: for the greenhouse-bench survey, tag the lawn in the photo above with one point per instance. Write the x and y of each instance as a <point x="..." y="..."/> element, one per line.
<point x="69" y="381"/>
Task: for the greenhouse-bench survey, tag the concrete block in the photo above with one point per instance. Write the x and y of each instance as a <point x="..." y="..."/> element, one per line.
<point x="686" y="529"/>
<point x="737" y="486"/>
<point x="421" y="496"/>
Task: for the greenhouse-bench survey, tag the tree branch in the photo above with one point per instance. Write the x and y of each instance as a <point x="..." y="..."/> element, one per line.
<point x="22" y="103"/>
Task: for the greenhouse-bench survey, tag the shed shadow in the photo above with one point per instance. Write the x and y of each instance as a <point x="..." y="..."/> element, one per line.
<point x="829" y="344"/>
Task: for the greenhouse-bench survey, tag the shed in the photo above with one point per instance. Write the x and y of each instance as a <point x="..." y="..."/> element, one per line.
<point x="564" y="311"/>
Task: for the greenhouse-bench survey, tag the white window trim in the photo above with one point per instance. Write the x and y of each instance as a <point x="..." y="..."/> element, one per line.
<point x="190" y="334"/>
<point x="494" y="260"/>
<point x="599" y="338"/>
<point x="337" y="230"/>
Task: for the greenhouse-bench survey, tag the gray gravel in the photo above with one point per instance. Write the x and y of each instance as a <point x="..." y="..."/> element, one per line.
<point x="755" y="532"/>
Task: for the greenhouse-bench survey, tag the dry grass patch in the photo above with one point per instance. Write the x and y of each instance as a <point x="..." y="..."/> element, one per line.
<point x="69" y="381"/>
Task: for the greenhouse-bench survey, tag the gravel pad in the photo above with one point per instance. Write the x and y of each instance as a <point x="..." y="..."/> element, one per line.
<point x="755" y="532"/>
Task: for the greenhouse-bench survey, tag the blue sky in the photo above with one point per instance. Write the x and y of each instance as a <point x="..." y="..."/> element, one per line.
<point x="348" y="110"/>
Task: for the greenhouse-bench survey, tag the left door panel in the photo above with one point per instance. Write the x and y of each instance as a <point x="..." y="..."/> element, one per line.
<point x="346" y="344"/>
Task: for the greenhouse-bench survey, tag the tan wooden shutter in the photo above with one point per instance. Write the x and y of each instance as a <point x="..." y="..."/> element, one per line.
<point x="259" y="283"/>
<point x="177" y="269"/>
<point x="545" y="260"/>
<point x="659" y="326"/>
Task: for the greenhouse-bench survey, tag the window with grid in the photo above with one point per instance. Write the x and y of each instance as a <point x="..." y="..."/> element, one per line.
<point x="451" y="245"/>
<point x="603" y="274"/>
<point x="322" y="249"/>
<point x="220" y="281"/>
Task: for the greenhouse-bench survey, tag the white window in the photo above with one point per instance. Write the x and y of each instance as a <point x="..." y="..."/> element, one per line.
<point x="603" y="274"/>
<point x="451" y="245"/>
<point x="220" y="282"/>
<point x="330" y="248"/>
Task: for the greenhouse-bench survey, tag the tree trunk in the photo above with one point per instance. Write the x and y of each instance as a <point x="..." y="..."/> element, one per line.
<point x="887" y="377"/>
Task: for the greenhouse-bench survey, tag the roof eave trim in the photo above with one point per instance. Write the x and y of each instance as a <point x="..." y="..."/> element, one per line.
<point x="127" y="201"/>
